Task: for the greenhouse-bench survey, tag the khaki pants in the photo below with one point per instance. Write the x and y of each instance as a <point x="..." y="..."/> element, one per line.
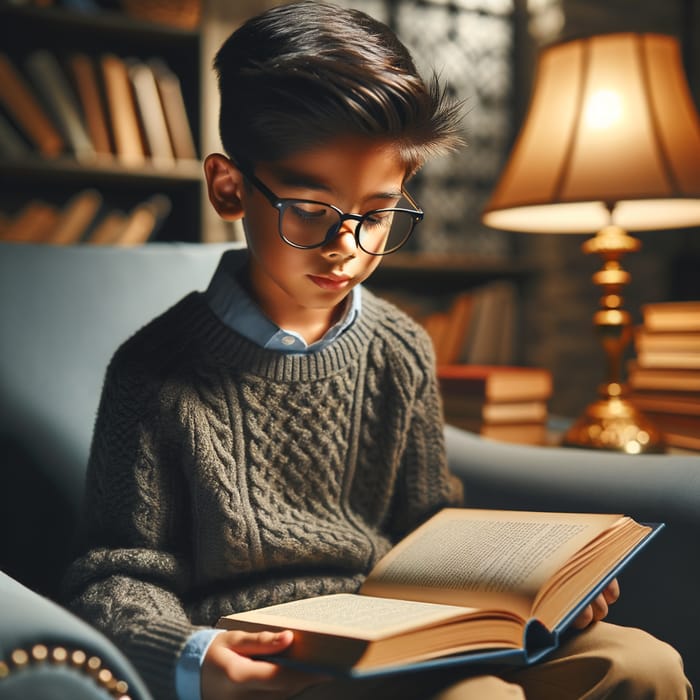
<point x="604" y="661"/>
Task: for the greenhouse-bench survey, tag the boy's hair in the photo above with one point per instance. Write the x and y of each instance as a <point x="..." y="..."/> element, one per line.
<point x="304" y="73"/>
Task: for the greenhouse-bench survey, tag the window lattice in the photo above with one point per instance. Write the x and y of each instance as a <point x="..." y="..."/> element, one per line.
<point x="469" y="43"/>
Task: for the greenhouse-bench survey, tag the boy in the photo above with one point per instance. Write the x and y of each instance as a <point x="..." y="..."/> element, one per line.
<point x="271" y="439"/>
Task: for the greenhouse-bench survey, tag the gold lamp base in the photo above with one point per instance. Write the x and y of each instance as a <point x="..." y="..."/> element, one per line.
<point x="614" y="423"/>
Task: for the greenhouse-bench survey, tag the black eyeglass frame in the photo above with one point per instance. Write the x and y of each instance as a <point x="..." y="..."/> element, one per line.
<point x="281" y="203"/>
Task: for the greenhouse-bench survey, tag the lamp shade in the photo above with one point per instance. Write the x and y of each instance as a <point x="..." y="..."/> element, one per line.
<point x="611" y="128"/>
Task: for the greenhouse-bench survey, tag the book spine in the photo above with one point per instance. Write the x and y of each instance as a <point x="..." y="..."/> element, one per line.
<point x="21" y="104"/>
<point x="87" y="85"/>
<point x="151" y="112"/>
<point x="49" y="77"/>
<point x="173" y="103"/>
<point x="125" y="123"/>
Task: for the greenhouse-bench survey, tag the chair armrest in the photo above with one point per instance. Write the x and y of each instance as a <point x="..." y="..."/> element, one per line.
<point x="47" y="652"/>
<point x="504" y="475"/>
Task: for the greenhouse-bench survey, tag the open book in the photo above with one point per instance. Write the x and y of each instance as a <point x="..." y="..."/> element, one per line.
<point x="481" y="586"/>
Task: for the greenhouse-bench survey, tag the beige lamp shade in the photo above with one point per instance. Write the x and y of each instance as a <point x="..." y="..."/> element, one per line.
<point x="611" y="128"/>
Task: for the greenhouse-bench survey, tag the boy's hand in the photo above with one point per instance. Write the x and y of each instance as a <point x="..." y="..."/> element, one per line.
<point x="598" y="609"/>
<point x="228" y="672"/>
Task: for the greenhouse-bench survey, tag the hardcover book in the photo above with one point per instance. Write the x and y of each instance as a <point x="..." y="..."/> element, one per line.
<point x="22" y="105"/>
<point x="468" y="586"/>
<point x="53" y="85"/>
<point x="672" y="316"/>
<point x="496" y="383"/>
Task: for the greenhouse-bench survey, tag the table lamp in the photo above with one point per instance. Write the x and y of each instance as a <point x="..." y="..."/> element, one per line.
<point x="611" y="143"/>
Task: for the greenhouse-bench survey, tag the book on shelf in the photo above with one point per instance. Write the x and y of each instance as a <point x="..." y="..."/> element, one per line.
<point x="496" y="383"/>
<point x="518" y="433"/>
<point x="679" y="430"/>
<point x="170" y="91"/>
<point x="437" y="325"/>
<point x="23" y="107"/>
<point x="492" y="325"/>
<point x="671" y="359"/>
<point x="675" y="402"/>
<point x="666" y="341"/>
<point x="143" y="221"/>
<point x="477" y="410"/>
<point x="76" y="217"/>
<point x="122" y="111"/>
<point x="12" y="144"/>
<point x="49" y="78"/>
<point x="33" y="223"/>
<point x="151" y="113"/>
<point x="456" y="332"/>
<point x="671" y="316"/>
<point x="466" y="587"/>
<point x="652" y="378"/>
<point x="108" y="228"/>
<point x="91" y="98"/>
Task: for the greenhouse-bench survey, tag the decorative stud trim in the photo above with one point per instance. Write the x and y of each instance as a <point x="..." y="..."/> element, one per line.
<point x="21" y="659"/>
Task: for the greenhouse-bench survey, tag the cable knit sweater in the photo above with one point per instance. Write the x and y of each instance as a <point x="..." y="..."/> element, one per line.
<point x="225" y="477"/>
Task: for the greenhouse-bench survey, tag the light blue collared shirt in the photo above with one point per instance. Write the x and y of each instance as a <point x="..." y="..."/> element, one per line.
<point x="234" y="306"/>
<point x="228" y="299"/>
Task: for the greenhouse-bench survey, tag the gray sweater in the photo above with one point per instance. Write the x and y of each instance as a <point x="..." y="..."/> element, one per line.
<point x="225" y="477"/>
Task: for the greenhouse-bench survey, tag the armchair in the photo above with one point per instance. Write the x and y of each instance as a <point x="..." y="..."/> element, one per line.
<point x="64" y="310"/>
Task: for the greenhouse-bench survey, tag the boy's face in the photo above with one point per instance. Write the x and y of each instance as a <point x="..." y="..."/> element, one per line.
<point x="302" y="290"/>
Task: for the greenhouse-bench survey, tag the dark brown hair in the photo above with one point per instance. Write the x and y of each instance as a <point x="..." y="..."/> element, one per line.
<point x="304" y="73"/>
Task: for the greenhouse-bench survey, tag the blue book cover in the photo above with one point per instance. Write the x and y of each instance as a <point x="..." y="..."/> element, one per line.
<point x="467" y="587"/>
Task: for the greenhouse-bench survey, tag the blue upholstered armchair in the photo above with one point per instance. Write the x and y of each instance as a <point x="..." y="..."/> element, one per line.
<point x="63" y="311"/>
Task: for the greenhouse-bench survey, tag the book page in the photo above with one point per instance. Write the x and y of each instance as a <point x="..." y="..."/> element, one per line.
<point x="483" y="558"/>
<point x="362" y="617"/>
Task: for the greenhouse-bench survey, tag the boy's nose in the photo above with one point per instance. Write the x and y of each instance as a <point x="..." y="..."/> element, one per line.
<point x="344" y="241"/>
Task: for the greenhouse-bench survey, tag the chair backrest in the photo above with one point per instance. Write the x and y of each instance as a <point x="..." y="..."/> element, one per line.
<point x="63" y="312"/>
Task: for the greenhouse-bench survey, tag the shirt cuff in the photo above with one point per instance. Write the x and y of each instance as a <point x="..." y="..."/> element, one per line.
<point x="187" y="671"/>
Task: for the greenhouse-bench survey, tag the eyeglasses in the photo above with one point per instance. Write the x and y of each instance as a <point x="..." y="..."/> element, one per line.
<point x="306" y="224"/>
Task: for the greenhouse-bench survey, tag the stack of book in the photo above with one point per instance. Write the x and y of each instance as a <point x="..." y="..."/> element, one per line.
<point x="502" y="402"/>
<point x="664" y="379"/>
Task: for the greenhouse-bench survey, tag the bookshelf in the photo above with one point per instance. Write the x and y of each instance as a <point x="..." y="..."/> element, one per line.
<point x="28" y="175"/>
<point x="469" y="305"/>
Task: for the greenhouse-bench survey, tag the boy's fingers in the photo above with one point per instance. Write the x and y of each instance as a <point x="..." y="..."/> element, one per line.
<point x="584" y="619"/>
<point x="600" y="607"/>
<point x="612" y="591"/>
<point x="250" y="644"/>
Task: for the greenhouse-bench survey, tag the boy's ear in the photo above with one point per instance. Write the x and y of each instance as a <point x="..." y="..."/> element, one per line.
<point x="224" y="185"/>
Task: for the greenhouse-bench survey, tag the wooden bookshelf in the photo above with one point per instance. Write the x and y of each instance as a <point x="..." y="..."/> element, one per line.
<point x="27" y="176"/>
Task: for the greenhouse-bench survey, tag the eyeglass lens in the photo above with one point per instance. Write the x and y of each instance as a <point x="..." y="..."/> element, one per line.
<point x="310" y="223"/>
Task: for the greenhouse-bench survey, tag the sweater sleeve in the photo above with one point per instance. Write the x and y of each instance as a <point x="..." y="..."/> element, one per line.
<point x="426" y="484"/>
<point x="132" y="574"/>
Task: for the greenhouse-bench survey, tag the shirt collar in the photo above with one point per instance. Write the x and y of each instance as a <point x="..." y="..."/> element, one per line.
<point x="229" y="300"/>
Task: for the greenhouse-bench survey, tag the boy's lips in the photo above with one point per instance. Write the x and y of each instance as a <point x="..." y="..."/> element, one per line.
<point x="331" y="282"/>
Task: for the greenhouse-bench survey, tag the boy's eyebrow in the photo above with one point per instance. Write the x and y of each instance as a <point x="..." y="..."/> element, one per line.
<point x="293" y="178"/>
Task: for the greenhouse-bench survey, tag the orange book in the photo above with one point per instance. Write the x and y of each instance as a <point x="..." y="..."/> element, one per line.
<point x="32" y="224"/>
<point x="122" y="110"/>
<point x="22" y="105"/>
<point x="87" y="86"/>
<point x="497" y="383"/>
<point x="672" y="316"/>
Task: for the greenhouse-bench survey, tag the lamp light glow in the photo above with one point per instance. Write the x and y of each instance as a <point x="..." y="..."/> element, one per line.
<point x="611" y="143"/>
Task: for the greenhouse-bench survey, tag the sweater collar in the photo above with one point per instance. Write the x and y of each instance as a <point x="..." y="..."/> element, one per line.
<point x="234" y="307"/>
